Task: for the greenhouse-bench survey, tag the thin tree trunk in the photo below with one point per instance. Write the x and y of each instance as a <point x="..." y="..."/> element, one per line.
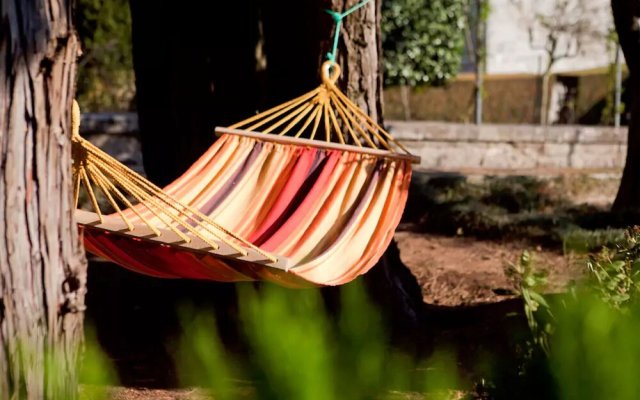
<point x="544" y="98"/>
<point x="390" y="282"/>
<point x="625" y="15"/>
<point x="480" y="60"/>
<point x="296" y="47"/>
<point x="42" y="266"/>
<point x="405" y="91"/>
<point x="478" y="94"/>
<point x="617" y="92"/>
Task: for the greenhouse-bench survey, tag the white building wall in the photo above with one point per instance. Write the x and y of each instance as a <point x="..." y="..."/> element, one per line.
<point x="510" y="49"/>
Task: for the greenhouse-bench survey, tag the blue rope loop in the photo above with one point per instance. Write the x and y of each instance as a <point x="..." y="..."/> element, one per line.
<point x="337" y="18"/>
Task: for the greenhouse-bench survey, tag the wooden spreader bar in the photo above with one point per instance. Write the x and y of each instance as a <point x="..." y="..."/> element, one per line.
<point x="316" y="144"/>
<point x="116" y="226"/>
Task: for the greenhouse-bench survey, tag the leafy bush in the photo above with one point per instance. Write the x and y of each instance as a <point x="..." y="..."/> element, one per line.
<point x="538" y="210"/>
<point x="614" y="272"/>
<point x="422" y="40"/>
<point x="587" y="338"/>
<point x="105" y="70"/>
<point x="578" y="240"/>
<point x="519" y="193"/>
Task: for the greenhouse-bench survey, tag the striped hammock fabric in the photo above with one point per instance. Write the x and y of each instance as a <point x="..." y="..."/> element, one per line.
<point x="296" y="212"/>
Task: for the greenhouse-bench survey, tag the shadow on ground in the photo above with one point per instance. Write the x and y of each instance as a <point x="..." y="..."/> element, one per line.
<point x="138" y="326"/>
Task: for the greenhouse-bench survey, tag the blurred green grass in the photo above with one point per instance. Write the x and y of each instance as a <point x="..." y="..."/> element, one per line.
<point x="299" y="351"/>
<point x="296" y="349"/>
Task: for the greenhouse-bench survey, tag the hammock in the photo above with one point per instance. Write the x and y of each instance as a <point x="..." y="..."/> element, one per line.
<point x="298" y="211"/>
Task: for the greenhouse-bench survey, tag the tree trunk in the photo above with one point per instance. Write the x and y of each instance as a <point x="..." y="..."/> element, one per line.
<point x="360" y="55"/>
<point x="625" y="15"/>
<point x="195" y="68"/>
<point x="390" y="282"/>
<point x="544" y="97"/>
<point x="42" y="266"/>
<point x="405" y="93"/>
<point x="295" y="45"/>
<point x="480" y="55"/>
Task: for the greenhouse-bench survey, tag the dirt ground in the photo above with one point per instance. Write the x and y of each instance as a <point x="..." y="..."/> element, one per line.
<point x="457" y="271"/>
<point x="453" y="271"/>
<point x="122" y="393"/>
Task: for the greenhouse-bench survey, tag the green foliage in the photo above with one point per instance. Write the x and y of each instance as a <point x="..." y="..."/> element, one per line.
<point x="590" y="334"/>
<point x="203" y="360"/>
<point x="442" y="376"/>
<point x="539" y="210"/>
<point x="580" y="241"/>
<point x="94" y="369"/>
<point x="422" y="40"/>
<point x="531" y="284"/>
<point x="97" y="371"/>
<point x="290" y="337"/>
<point x="614" y="273"/>
<point x="105" y="70"/>
<point x="595" y="350"/>
<point x="519" y="193"/>
<point x="495" y="207"/>
<point x="298" y="351"/>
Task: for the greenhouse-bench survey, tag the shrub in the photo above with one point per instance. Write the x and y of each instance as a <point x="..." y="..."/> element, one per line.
<point x="105" y="70"/>
<point x="422" y="40"/>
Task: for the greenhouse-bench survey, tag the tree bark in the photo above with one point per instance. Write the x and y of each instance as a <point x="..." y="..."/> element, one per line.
<point x="297" y="46"/>
<point x="360" y="55"/>
<point x="42" y="266"/>
<point x="625" y="16"/>
<point x="390" y="283"/>
<point x="195" y="66"/>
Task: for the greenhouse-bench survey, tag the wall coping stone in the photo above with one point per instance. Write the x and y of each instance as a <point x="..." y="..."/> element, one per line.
<point x="425" y="131"/>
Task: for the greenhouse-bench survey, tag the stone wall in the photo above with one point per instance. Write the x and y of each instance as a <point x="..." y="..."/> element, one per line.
<point x="449" y="146"/>
<point x="442" y="146"/>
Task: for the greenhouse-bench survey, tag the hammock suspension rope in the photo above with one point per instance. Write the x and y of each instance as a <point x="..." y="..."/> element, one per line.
<point x="93" y="167"/>
<point x="311" y="192"/>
